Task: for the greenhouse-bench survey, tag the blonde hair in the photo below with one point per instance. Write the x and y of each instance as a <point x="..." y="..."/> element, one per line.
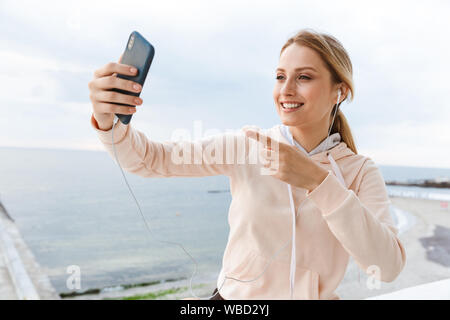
<point x="338" y="63"/>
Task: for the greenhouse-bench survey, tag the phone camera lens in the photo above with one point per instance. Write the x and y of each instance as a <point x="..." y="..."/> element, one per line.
<point x="130" y="43"/>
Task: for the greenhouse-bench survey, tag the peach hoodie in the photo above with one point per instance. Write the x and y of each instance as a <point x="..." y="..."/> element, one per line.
<point x="334" y="223"/>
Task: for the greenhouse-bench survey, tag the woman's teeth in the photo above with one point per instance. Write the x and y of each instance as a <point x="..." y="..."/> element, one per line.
<point x="291" y="105"/>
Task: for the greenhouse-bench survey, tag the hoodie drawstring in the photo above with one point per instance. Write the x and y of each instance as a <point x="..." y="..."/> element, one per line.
<point x="338" y="174"/>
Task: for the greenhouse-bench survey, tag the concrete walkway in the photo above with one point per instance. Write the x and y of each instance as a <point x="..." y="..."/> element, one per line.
<point x="21" y="277"/>
<point x="7" y="291"/>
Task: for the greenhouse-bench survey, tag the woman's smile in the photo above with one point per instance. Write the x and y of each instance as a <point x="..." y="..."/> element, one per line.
<point x="291" y="107"/>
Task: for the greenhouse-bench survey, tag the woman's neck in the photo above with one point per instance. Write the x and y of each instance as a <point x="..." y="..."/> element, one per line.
<point x="308" y="138"/>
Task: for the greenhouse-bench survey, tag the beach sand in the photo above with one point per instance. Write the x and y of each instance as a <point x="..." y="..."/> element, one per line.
<point x="427" y="245"/>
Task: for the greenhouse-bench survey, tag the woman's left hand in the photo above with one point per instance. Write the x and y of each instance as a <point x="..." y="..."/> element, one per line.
<point x="294" y="167"/>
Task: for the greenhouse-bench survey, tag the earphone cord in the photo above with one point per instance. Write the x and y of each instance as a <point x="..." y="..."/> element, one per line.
<point x="179" y="244"/>
<point x="140" y="211"/>
<point x="332" y="122"/>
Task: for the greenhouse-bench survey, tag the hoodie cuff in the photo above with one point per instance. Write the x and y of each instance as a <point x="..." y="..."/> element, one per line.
<point x="120" y="131"/>
<point x="329" y="195"/>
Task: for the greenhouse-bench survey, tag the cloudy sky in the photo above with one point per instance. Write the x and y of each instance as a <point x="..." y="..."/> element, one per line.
<point x="215" y="65"/>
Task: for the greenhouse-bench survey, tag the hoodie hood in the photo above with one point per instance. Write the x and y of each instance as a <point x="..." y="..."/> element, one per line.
<point x="339" y="151"/>
<point x="326" y="144"/>
<point x="348" y="163"/>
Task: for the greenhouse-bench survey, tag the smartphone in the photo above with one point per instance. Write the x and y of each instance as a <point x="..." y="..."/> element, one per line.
<point x="138" y="53"/>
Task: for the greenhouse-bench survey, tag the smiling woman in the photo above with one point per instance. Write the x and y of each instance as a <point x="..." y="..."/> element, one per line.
<point x="311" y="67"/>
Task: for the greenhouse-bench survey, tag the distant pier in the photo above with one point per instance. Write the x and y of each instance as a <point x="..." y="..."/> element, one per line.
<point x="424" y="183"/>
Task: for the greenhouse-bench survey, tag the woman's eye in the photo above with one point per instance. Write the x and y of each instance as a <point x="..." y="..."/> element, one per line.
<point x="304" y="77"/>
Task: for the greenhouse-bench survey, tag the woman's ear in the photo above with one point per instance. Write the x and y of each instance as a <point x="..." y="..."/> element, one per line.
<point x="344" y="92"/>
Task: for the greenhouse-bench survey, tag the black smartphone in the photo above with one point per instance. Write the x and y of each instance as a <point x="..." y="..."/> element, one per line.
<point x="138" y="53"/>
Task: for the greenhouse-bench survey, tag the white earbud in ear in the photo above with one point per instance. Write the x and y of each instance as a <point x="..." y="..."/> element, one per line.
<point x="339" y="96"/>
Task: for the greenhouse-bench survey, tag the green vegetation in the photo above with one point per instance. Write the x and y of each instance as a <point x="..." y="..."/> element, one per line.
<point x="156" y="294"/>
<point x="124" y="286"/>
<point x="153" y="295"/>
<point x="74" y="293"/>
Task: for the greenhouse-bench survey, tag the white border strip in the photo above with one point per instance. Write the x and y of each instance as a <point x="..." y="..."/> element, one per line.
<point x="437" y="290"/>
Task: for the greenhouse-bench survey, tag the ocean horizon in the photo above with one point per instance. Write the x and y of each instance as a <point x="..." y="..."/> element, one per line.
<point x="74" y="208"/>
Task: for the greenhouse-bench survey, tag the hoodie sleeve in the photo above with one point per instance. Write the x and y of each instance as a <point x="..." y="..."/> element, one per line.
<point x="362" y="222"/>
<point x="139" y="155"/>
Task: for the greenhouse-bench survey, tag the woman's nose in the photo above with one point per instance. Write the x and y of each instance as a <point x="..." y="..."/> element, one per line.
<point x="288" y="87"/>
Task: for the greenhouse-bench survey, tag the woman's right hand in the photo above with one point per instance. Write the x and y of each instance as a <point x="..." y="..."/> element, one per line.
<point x="102" y="97"/>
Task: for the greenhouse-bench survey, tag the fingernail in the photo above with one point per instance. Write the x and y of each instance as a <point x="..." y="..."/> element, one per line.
<point x="133" y="70"/>
<point x="136" y="87"/>
<point x="137" y="100"/>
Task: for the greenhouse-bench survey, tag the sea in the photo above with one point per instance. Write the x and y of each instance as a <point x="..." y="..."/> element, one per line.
<point x="75" y="212"/>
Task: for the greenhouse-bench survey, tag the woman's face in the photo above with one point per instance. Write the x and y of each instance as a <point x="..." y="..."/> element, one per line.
<point x="312" y="87"/>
